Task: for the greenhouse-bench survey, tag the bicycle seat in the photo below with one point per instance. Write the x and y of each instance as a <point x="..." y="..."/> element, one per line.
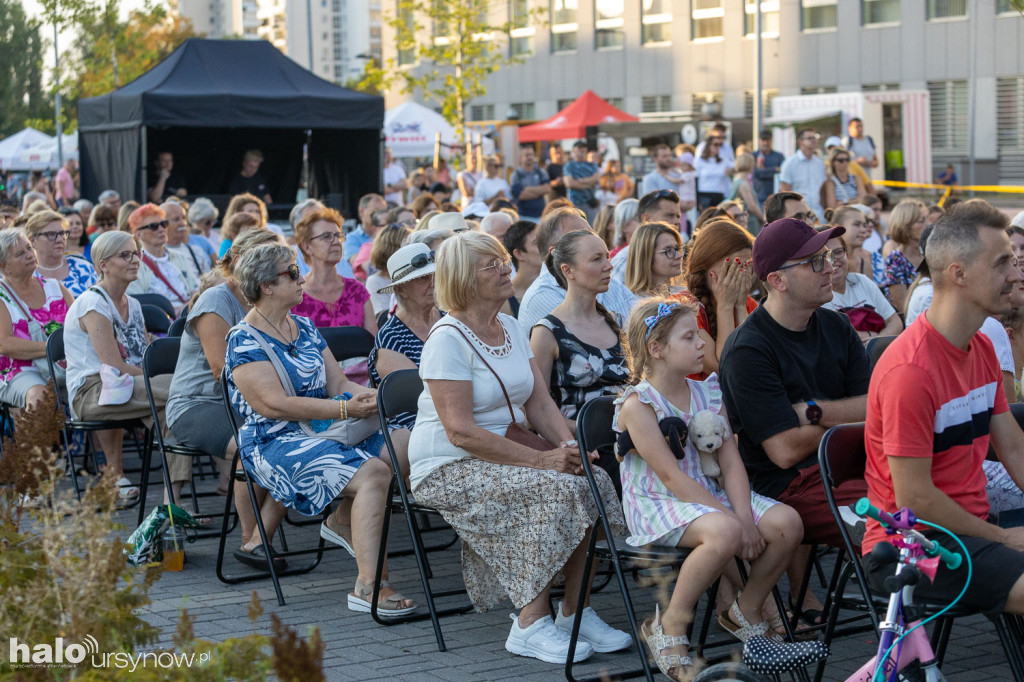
<point x="766" y="657"/>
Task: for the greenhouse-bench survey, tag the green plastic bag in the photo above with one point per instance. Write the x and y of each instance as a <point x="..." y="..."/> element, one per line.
<point x="145" y="544"/>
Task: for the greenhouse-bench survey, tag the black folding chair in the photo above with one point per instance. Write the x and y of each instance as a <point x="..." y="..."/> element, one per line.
<point x="398" y="393"/>
<point x="161" y="357"/>
<point x="156" y="320"/>
<point x="161" y="302"/>
<point x="876" y="346"/>
<point x="243" y="475"/>
<point x="177" y="327"/>
<point x="55" y="354"/>
<point x="842" y="457"/>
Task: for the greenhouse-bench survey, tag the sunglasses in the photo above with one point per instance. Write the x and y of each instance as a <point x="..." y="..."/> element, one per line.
<point x="154" y="226"/>
<point x="666" y="194"/>
<point x="817" y="262"/>
<point x="842" y="159"/>
<point x="54" y="236"/>
<point x="292" y="271"/>
<point x="418" y="261"/>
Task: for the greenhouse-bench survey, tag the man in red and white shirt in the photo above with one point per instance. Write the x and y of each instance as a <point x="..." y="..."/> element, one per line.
<point x="936" y="402"/>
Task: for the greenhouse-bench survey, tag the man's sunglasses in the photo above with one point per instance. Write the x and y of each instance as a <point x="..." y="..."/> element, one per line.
<point x="292" y="271"/>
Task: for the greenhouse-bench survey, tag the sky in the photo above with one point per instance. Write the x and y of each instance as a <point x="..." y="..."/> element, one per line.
<point x="34" y="9"/>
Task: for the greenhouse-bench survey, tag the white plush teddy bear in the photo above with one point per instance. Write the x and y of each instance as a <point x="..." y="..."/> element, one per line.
<point x="707" y="429"/>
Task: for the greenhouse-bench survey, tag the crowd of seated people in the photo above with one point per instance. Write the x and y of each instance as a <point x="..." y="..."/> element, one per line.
<point x="760" y="314"/>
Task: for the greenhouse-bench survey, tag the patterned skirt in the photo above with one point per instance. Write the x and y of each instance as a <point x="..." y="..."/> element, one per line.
<point x="518" y="526"/>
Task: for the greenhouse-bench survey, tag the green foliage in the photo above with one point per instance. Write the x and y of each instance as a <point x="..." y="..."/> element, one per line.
<point x="445" y="51"/>
<point x="1017" y="5"/>
<point x="63" y="574"/>
<point x="21" y="68"/>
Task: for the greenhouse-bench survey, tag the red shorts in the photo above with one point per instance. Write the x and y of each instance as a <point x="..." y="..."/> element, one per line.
<point x="806" y="494"/>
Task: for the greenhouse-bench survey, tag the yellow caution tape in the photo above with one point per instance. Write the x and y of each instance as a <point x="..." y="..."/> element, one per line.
<point x="949" y="189"/>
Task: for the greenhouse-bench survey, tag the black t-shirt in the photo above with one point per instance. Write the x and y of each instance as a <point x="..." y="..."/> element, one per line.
<point x="256" y="185"/>
<point x="554" y="171"/>
<point x="173" y="183"/>
<point x="766" y="369"/>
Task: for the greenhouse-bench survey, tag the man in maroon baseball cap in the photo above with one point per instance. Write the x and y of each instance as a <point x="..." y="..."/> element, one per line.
<point x="788" y="373"/>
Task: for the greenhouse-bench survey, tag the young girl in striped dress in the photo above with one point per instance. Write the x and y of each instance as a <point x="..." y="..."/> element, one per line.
<point x="671" y="502"/>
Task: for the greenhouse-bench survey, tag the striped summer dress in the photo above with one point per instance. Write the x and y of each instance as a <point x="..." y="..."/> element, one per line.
<point x="654" y="515"/>
<point x="394" y="335"/>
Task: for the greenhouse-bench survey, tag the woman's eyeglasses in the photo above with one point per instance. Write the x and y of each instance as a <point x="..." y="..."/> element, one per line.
<point x="418" y="261"/>
<point x="154" y="226"/>
<point x="54" y="236"/>
<point x="671" y="252"/>
<point x="842" y="159"/>
<point x="128" y="256"/>
<point x="292" y="271"/>
<point x="328" y="237"/>
<point x="497" y="264"/>
<point x="817" y="262"/>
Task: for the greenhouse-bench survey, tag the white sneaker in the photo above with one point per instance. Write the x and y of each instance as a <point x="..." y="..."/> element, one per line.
<point x="601" y="636"/>
<point x="544" y="640"/>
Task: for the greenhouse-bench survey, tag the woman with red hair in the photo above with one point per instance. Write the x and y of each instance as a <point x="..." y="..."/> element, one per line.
<point x="161" y="271"/>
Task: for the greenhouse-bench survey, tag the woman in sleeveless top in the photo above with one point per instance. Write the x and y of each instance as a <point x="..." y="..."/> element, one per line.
<point x="843" y="187"/>
<point x="577" y="347"/>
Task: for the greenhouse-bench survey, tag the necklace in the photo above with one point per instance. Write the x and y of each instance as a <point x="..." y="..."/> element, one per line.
<point x="40" y="267"/>
<point x="292" y="350"/>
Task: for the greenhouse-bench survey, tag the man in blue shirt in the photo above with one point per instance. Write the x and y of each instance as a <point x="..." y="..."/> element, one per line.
<point x="804" y="172"/>
<point x="368" y="205"/>
<point x="581" y="176"/>
<point x="529" y="185"/>
<point x="767" y="165"/>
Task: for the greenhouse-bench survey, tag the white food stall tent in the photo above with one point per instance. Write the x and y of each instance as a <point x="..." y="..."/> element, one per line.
<point x="411" y="129"/>
<point x="44" y="156"/>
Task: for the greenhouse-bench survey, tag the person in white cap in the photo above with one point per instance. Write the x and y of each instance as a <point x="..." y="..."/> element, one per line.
<point x="450" y="220"/>
<point x="399" y="342"/>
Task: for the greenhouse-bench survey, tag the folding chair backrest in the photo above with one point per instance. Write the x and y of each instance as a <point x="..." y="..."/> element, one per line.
<point x="594" y="432"/>
<point x="54" y="354"/>
<point x="232" y="415"/>
<point x="160" y="301"/>
<point x="841" y="454"/>
<point x="398" y="392"/>
<point x="157" y="321"/>
<point x="161" y="357"/>
<point x="177" y="327"/>
<point x="347" y="342"/>
<point x="876" y="346"/>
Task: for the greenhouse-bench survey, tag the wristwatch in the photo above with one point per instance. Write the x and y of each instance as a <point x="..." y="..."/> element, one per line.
<point x="813" y="412"/>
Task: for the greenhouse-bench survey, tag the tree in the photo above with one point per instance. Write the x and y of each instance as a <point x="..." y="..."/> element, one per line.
<point x="458" y="52"/>
<point x="110" y="52"/>
<point x="21" y="68"/>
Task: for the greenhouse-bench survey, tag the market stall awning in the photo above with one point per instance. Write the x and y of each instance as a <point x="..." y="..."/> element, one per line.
<point x="411" y="129"/>
<point x="14" y="144"/>
<point x="573" y="121"/>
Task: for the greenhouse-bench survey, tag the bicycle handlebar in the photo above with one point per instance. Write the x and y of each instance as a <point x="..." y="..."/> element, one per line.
<point x="905" y="526"/>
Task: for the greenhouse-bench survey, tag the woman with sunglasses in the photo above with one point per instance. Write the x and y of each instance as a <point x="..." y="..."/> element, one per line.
<point x="654" y="265"/>
<point x="578" y="346"/>
<point x="32" y="308"/>
<point x="161" y="271"/>
<point x="48" y="233"/>
<point x="742" y="202"/>
<point x="105" y="327"/>
<point x="302" y="471"/>
<point x="842" y="186"/>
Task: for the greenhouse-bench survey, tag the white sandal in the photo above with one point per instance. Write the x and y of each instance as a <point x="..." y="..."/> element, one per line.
<point x="388" y="607"/>
<point x="736" y="624"/>
<point x="657" y="641"/>
<point x="125" y="489"/>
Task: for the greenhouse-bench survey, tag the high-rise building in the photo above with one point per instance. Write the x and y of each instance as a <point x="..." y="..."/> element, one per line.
<point x="345" y="34"/>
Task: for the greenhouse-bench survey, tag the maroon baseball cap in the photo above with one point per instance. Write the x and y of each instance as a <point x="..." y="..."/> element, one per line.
<point x="788" y="239"/>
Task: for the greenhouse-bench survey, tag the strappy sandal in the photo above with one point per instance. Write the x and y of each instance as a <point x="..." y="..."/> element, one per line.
<point x="736" y="624"/>
<point x="387" y="607"/>
<point x="674" y="666"/>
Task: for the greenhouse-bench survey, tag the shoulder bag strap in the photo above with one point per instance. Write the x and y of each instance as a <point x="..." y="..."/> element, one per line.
<point x="22" y="306"/>
<point x="151" y="264"/>
<point x="282" y="373"/>
<point x="487" y="364"/>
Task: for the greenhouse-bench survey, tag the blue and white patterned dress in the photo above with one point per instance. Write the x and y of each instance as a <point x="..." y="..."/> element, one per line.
<point x="81" y="275"/>
<point x="303" y="473"/>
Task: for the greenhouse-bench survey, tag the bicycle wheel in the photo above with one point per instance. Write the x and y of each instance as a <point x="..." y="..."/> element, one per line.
<point x="729" y="672"/>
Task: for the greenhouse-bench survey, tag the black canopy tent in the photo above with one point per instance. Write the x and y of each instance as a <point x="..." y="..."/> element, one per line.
<point x="210" y="101"/>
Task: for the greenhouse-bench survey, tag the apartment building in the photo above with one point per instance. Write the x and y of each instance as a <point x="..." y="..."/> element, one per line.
<point x="689" y="56"/>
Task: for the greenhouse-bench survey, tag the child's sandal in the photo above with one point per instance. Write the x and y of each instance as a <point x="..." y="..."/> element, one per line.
<point x="736" y="624"/>
<point x="674" y="666"/>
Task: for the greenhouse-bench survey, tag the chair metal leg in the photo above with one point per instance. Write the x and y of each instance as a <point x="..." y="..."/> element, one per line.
<point x="1011" y="646"/>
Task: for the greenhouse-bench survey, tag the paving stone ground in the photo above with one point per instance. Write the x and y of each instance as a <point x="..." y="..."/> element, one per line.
<point x="359" y="649"/>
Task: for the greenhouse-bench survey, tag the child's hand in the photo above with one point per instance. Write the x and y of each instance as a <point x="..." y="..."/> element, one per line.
<point x="751" y="542"/>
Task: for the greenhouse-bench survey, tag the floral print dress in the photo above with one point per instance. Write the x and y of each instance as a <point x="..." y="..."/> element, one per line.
<point x="50" y="317"/>
<point x="581" y="371"/>
<point x="897" y="270"/>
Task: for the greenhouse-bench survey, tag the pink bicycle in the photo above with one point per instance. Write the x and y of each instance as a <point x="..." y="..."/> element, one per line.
<point x="904" y="650"/>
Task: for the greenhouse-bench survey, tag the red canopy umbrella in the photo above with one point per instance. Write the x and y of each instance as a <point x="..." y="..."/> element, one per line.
<point x="572" y="122"/>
